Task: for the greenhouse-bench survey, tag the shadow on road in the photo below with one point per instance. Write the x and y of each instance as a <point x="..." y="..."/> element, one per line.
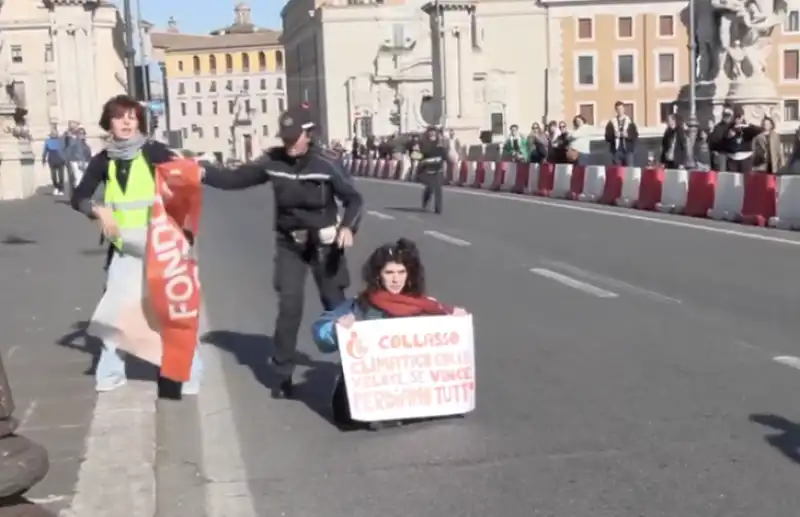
<point x="406" y="209"/>
<point x="21" y="507"/>
<point x="314" y="387"/>
<point x="15" y="240"/>
<point x="78" y="339"/>
<point x="787" y="437"/>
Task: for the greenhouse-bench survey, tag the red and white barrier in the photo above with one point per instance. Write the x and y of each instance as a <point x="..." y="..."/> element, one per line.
<point x="754" y="198"/>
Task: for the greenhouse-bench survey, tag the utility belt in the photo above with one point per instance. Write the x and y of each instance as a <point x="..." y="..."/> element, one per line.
<point x="431" y="165"/>
<point x="325" y="236"/>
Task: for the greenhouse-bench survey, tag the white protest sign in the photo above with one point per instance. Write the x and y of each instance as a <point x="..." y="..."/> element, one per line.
<point x="403" y="368"/>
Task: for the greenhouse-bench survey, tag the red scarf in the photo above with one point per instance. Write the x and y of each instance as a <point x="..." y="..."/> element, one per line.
<point x="403" y="305"/>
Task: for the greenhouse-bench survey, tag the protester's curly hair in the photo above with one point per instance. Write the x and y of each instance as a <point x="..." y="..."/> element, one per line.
<point x="404" y="252"/>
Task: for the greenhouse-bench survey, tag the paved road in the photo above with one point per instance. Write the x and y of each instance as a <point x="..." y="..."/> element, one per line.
<point x="626" y="368"/>
<point x="629" y="365"/>
<point x="50" y="273"/>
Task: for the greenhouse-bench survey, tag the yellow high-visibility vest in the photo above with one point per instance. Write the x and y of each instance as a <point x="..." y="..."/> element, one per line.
<point x="132" y="207"/>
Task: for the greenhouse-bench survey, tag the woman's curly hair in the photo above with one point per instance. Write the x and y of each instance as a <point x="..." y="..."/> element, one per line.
<point x="404" y="252"/>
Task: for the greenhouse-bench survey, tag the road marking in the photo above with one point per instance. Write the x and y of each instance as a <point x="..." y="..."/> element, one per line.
<point x="26" y="416"/>
<point x="121" y="440"/>
<point x="380" y="215"/>
<point x="788" y="360"/>
<point x="227" y="491"/>
<point x="603" y="211"/>
<point x="574" y="283"/>
<point x="447" y="238"/>
<point x="613" y="282"/>
<point x="47" y="500"/>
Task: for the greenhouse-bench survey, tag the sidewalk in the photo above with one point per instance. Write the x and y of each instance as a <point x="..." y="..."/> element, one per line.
<point x="51" y="279"/>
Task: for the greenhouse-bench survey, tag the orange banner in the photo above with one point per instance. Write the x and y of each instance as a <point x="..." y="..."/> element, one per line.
<point x="171" y="270"/>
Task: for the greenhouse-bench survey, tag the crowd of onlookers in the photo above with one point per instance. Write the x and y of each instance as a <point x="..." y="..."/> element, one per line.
<point x="730" y="144"/>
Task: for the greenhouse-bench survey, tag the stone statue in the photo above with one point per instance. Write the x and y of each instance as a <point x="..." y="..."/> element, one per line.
<point x="737" y="57"/>
<point x="744" y="29"/>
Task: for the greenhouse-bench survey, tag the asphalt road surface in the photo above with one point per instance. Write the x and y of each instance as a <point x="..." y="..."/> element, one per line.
<point x="629" y="364"/>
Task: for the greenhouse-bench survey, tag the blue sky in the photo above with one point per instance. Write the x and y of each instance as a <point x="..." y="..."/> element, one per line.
<point x="213" y="14"/>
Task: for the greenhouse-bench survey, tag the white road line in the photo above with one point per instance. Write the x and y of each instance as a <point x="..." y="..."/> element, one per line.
<point x="447" y="238"/>
<point x="574" y="283"/>
<point x="613" y="282"/>
<point x="227" y="491"/>
<point x="121" y="440"/>
<point x="633" y="215"/>
<point x="788" y="360"/>
<point x="380" y="215"/>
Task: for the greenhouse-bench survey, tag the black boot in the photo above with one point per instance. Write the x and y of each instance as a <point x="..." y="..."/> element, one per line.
<point x="285" y="388"/>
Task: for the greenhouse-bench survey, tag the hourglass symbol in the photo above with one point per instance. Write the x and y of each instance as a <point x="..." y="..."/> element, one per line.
<point x="355" y="347"/>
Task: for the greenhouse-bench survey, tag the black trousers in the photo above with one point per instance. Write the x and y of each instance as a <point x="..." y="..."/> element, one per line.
<point x="745" y="165"/>
<point x="433" y="188"/>
<point x="292" y="263"/>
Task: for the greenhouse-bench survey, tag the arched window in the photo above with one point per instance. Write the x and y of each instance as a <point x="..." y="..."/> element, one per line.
<point x="196" y="65"/>
<point x="212" y="64"/>
<point x="262" y="62"/>
<point x="279" y="59"/>
<point x="228" y="63"/>
<point x="245" y="62"/>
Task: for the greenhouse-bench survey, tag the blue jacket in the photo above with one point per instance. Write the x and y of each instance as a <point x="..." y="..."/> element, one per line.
<point x="53" y="151"/>
<point x="323" y="330"/>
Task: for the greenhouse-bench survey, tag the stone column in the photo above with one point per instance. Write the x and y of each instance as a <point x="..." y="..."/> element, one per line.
<point x="87" y="99"/>
<point x="453" y="64"/>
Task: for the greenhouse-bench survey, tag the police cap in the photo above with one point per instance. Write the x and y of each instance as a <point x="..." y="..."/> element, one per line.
<point x="293" y="122"/>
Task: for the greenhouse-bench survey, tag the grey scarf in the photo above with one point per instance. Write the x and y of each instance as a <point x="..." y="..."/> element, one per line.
<point x="125" y="149"/>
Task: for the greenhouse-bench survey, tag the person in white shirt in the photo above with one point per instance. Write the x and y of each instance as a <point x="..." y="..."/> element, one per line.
<point x="580" y="140"/>
<point x="621" y="135"/>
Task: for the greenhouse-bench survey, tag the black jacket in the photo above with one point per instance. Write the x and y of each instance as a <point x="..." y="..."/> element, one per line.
<point x="434" y="156"/>
<point x="306" y="188"/>
<point x="680" y="153"/>
<point x="728" y="139"/>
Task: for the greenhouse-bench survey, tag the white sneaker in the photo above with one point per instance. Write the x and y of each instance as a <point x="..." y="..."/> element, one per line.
<point x="190" y="388"/>
<point x="110" y="384"/>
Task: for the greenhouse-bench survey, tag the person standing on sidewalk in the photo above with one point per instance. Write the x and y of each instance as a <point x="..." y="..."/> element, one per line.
<point x="53" y="157"/>
<point x="127" y="169"/>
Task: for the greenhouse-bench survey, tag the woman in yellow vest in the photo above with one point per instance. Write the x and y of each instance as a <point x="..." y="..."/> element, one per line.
<point x="126" y="169"/>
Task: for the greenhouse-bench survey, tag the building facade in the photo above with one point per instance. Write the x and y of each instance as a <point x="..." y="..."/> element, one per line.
<point x="224" y="91"/>
<point x="642" y="58"/>
<point x="381" y="82"/>
<point x="64" y="58"/>
<point x="529" y="62"/>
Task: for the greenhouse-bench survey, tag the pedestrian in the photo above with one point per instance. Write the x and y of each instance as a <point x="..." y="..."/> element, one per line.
<point x="76" y="153"/>
<point x="53" y="157"/>
<point x="309" y="234"/>
<point x="430" y="171"/>
<point x="126" y="168"/>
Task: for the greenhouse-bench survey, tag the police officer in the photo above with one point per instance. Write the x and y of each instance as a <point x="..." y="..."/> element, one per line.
<point x="309" y="234"/>
<point x="430" y="170"/>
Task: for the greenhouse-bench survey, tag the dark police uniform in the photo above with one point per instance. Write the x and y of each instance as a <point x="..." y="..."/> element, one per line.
<point x="306" y="191"/>
<point x="430" y="170"/>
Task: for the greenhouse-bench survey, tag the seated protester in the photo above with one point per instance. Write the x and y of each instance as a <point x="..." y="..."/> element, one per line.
<point x="394" y="279"/>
